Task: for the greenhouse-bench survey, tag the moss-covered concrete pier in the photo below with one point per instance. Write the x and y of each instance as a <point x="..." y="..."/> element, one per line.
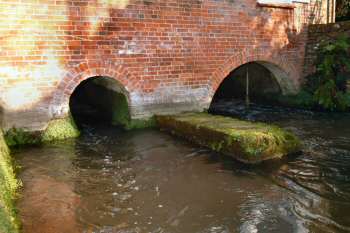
<point x="248" y="142"/>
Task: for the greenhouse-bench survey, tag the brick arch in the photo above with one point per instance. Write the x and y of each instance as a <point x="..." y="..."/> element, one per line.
<point x="283" y="69"/>
<point x="59" y="105"/>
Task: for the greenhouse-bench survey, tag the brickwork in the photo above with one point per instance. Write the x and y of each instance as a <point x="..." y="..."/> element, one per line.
<point x="169" y="55"/>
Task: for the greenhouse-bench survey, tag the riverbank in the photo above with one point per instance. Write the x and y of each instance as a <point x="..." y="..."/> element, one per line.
<point x="9" y="222"/>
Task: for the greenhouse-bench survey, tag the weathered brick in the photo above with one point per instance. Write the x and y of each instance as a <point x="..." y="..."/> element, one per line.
<point x="162" y="52"/>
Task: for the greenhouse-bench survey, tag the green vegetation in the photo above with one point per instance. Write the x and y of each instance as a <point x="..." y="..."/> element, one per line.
<point x="121" y="114"/>
<point x="328" y="84"/>
<point x="326" y="89"/>
<point x="303" y="99"/>
<point x="57" y="129"/>
<point x="246" y="141"/>
<point x="141" y="123"/>
<point x="17" y="137"/>
<point x="8" y="187"/>
<point x="120" y="109"/>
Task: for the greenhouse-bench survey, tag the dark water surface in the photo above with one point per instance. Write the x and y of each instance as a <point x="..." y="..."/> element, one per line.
<point x="146" y="181"/>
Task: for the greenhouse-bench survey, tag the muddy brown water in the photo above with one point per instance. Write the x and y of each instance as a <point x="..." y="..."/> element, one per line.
<point x="110" y="181"/>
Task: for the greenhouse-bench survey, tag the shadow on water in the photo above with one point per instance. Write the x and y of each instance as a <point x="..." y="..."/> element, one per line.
<point x="109" y="180"/>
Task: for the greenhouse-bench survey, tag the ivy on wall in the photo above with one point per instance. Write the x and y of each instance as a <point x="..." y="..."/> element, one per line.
<point x="326" y="89"/>
<point x="328" y="84"/>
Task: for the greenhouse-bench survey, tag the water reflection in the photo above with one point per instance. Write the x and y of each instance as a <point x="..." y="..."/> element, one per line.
<point x="147" y="181"/>
<point x="50" y="199"/>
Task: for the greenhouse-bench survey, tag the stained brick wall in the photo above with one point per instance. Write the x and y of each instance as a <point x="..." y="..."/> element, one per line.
<point x="169" y="55"/>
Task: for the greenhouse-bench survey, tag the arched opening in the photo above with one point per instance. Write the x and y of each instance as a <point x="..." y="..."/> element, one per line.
<point x="99" y="100"/>
<point x="253" y="79"/>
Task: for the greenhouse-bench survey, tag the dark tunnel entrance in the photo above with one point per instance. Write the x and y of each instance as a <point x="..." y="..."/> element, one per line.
<point x="99" y="101"/>
<point x="263" y="87"/>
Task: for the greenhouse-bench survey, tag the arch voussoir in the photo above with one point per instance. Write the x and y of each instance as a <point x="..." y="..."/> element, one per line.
<point x="59" y="103"/>
<point x="278" y="64"/>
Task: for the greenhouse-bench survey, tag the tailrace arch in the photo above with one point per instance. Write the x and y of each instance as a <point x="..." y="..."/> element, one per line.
<point x="268" y="76"/>
<point x="100" y="100"/>
<point x="95" y="91"/>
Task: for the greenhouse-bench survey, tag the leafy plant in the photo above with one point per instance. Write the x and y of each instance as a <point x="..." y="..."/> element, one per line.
<point x="19" y="137"/>
<point x="328" y="83"/>
<point x="303" y="99"/>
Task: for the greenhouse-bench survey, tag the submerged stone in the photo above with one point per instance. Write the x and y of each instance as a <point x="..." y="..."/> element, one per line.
<point x="248" y="142"/>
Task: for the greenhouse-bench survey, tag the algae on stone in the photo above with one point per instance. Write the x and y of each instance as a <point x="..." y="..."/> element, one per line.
<point x="8" y="187"/>
<point x="121" y="115"/>
<point x="248" y="142"/>
<point x="140" y="123"/>
<point x="120" y="110"/>
<point x="19" y="137"/>
<point x="59" y="129"/>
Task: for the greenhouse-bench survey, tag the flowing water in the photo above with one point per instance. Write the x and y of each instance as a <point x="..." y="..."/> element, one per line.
<point x="109" y="181"/>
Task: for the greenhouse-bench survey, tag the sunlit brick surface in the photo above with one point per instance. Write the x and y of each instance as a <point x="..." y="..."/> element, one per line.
<point x="170" y="55"/>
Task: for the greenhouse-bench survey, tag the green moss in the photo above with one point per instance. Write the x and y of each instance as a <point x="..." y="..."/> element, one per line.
<point x="8" y="186"/>
<point x="246" y="141"/>
<point x="121" y="114"/>
<point x="141" y="123"/>
<point x="59" y="129"/>
<point x="217" y="146"/>
<point x="120" y="110"/>
<point x="18" y="137"/>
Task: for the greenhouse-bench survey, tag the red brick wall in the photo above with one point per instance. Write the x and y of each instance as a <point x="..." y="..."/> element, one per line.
<point x="170" y="55"/>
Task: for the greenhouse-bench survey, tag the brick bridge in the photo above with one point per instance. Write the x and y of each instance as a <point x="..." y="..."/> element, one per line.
<point x="166" y="56"/>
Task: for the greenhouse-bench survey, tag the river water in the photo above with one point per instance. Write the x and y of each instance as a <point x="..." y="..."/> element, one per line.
<point x="110" y="181"/>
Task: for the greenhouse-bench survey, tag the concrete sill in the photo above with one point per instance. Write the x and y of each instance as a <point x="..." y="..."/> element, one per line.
<point x="277" y="5"/>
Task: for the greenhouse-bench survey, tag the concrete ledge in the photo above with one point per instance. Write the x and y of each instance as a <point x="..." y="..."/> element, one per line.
<point x="245" y="141"/>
